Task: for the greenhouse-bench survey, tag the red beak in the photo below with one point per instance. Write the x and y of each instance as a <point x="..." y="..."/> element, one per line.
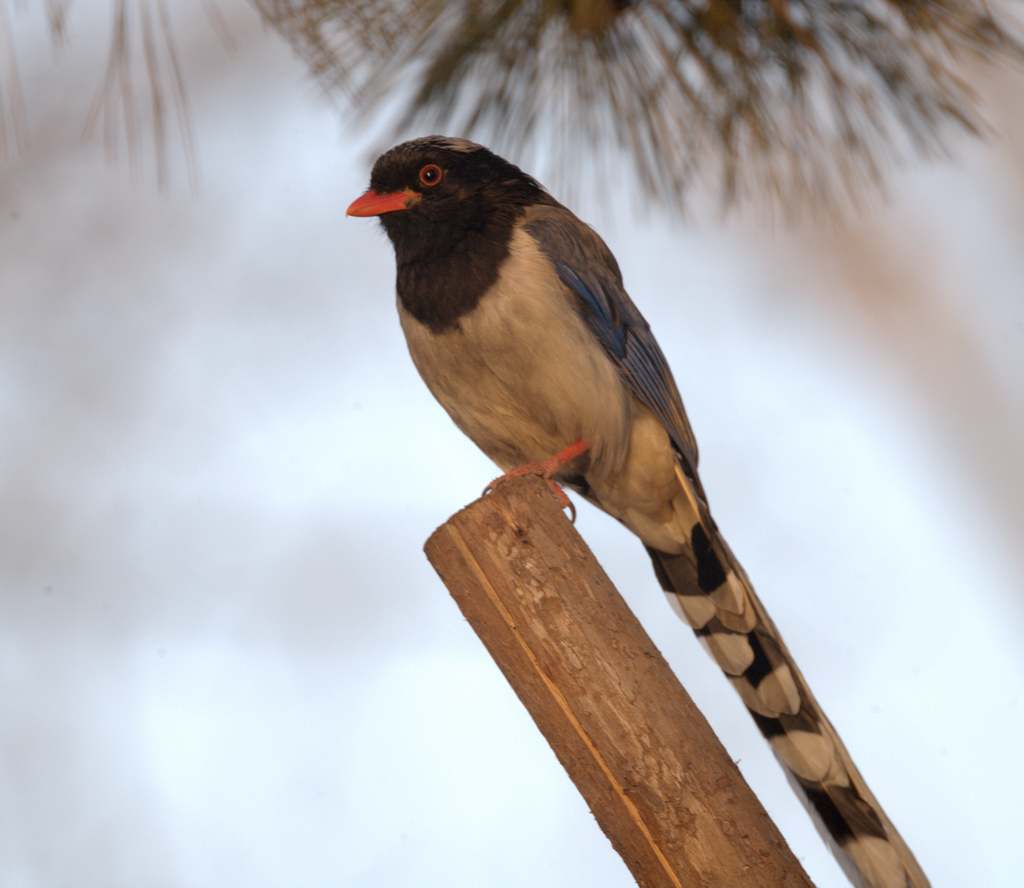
<point x="374" y="204"/>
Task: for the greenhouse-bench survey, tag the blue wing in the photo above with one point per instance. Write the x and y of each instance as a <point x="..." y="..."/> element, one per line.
<point x="591" y="275"/>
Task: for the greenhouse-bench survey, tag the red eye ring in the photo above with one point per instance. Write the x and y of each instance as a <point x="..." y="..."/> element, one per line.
<point x="430" y="175"/>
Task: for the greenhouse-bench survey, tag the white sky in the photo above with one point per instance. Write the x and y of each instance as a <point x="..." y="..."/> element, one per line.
<point x="223" y="656"/>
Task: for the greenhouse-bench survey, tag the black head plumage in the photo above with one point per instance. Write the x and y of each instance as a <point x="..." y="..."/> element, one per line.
<point x="463" y="203"/>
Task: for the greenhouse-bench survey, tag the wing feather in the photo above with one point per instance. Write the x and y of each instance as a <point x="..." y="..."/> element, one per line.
<point x="592" y="279"/>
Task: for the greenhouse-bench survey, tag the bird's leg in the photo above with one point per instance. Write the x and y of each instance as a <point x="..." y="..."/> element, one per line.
<point x="547" y="469"/>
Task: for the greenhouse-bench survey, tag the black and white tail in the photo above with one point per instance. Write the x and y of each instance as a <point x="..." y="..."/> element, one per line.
<point x="709" y="588"/>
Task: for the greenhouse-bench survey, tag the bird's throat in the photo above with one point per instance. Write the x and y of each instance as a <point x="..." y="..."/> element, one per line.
<point x="443" y="271"/>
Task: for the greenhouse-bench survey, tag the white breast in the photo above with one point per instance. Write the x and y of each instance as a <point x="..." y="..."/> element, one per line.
<point x="521" y="374"/>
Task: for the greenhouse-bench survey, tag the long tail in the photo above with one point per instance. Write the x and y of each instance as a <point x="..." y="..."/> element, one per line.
<point x="712" y="592"/>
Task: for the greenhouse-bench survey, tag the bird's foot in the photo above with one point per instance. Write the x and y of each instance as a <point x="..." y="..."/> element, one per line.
<point x="553" y="486"/>
<point x="547" y="469"/>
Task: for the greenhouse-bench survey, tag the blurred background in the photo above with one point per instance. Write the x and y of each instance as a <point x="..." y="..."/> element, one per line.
<point x="223" y="656"/>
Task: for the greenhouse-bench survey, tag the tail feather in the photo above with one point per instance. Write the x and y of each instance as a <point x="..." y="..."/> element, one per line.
<point x="710" y="590"/>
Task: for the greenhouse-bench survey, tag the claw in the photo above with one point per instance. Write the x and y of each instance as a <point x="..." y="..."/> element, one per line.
<point x="563" y="499"/>
<point x="553" y="486"/>
<point x="546" y="470"/>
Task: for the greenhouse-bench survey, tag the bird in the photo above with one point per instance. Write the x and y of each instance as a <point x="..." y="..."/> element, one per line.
<point x="517" y="319"/>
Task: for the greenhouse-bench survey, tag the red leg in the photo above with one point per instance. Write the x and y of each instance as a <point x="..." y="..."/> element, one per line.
<point x="547" y="469"/>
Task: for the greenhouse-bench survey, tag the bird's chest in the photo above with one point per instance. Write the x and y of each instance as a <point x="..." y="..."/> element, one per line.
<point x="488" y="375"/>
<point x="519" y="373"/>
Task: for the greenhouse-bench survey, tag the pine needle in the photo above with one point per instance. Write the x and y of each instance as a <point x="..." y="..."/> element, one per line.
<point x="752" y="96"/>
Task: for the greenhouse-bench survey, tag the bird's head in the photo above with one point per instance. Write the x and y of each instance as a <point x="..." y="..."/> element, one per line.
<point x="431" y="192"/>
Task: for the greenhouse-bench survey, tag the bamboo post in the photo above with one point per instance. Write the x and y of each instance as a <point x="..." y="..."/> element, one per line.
<point x="656" y="778"/>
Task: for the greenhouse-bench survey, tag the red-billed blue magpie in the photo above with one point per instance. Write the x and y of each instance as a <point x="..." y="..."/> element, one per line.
<point x="517" y="319"/>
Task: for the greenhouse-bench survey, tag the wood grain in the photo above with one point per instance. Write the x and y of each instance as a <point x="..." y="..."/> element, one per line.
<point x="657" y="780"/>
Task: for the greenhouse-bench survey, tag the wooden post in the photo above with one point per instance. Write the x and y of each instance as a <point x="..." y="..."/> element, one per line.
<point x="657" y="780"/>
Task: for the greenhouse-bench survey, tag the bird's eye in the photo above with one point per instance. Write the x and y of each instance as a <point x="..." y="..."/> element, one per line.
<point x="430" y="175"/>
